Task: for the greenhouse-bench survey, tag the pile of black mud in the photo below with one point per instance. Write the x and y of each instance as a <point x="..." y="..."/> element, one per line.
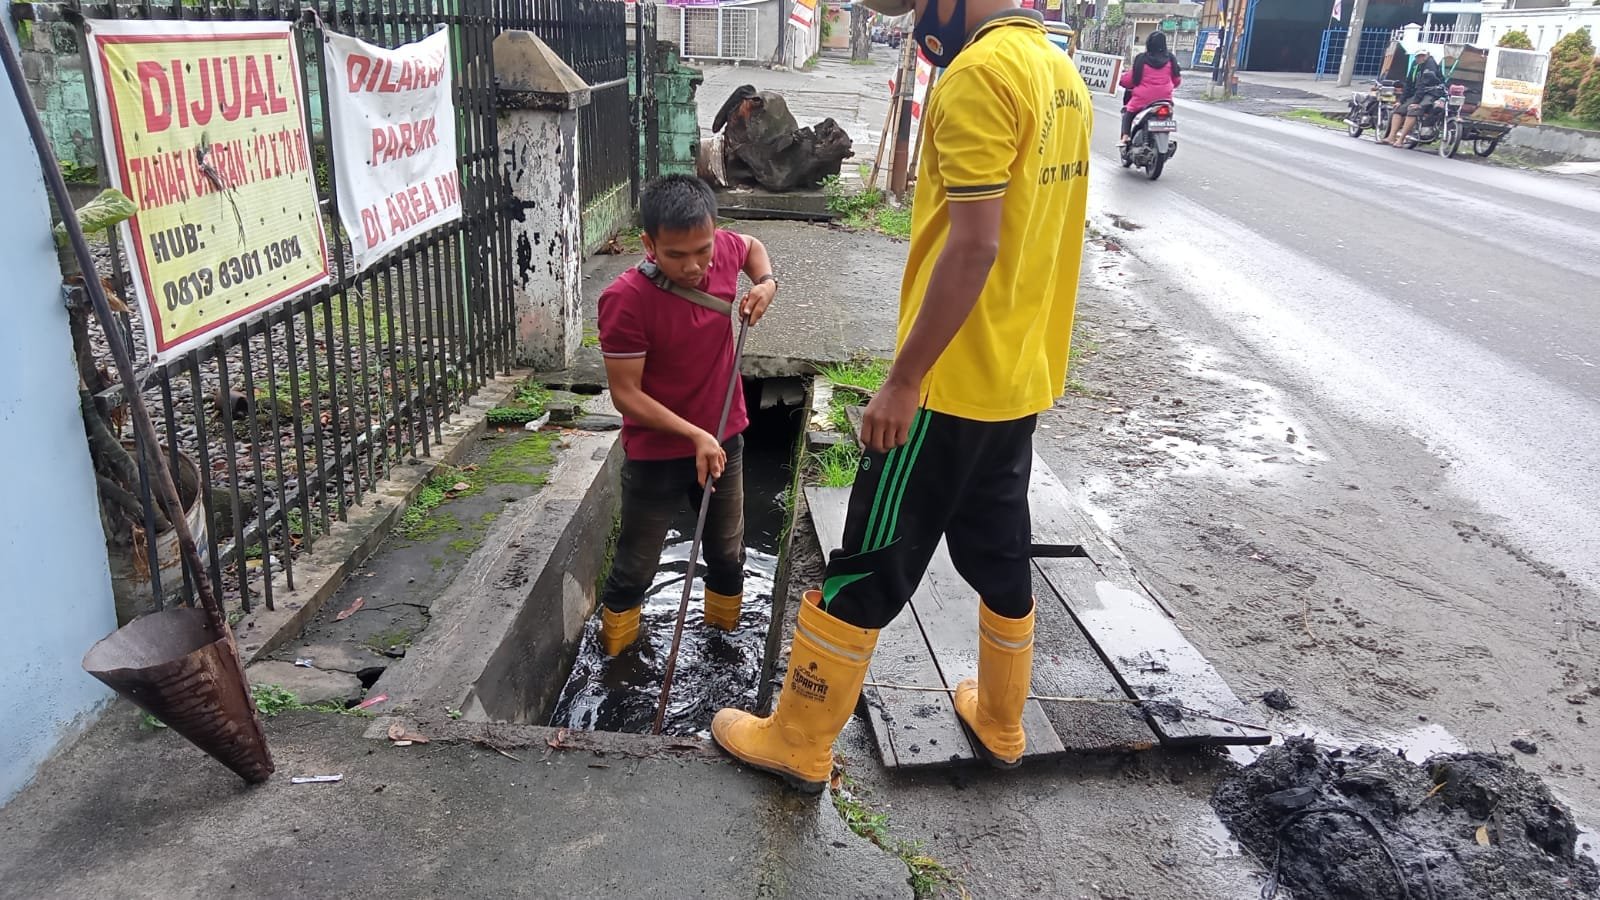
<point x="1370" y="825"/>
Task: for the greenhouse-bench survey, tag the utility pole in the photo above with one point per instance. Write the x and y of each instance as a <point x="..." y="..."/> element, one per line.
<point x="1238" y="12"/>
<point x="1352" y="42"/>
<point x="906" y="91"/>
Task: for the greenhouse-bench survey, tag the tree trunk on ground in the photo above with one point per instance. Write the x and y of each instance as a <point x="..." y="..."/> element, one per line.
<point x="860" y="33"/>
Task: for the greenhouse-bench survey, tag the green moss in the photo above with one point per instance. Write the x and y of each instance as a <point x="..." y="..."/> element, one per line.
<point x="466" y="545"/>
<point x="395" y="637"/>
<point x="511" y="462"/>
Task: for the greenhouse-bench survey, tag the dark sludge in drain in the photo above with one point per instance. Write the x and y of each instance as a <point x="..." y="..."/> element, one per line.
<point x="714" y="668"/>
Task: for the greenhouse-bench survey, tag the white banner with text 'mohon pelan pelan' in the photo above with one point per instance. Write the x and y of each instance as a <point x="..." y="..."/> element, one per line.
<point x="203" y="129"/>
<point x="394" y="141"/>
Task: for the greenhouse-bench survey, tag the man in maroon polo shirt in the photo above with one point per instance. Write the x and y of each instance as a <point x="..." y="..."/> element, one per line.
<point x="669" y="361"/>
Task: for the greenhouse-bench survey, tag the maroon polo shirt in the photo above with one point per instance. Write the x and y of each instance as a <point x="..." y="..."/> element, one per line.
<point x="688" y="350"/>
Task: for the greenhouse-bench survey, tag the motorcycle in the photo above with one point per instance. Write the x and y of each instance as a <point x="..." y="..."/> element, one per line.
<point x="1371" y="109"/>
<point x="1441" y="121"/>
<point x="1153" y="139"/>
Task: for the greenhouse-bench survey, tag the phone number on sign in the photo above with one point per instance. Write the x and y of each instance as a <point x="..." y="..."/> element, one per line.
<point x="229" y="273"/>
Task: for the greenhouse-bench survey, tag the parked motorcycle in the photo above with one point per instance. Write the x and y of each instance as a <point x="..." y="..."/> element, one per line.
<point x="1441" y="121"/>
<point x="1371" y="109"/>
<point x="1153" y="139"/>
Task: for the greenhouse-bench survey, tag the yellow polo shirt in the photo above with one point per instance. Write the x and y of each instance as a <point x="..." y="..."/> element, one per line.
<point x="1010" y="118"/>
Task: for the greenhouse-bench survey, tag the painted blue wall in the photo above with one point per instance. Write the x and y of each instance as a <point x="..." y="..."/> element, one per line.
<point x="56" y="601"/>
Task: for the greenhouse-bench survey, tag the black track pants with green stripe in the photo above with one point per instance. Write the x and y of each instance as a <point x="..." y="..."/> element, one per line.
<point x="955" y="478"/>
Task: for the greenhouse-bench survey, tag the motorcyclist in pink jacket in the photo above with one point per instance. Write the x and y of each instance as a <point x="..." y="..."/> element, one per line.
<point x="1152" y="77"/>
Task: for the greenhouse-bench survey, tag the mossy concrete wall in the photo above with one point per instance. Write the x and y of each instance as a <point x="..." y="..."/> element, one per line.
<point x="55" y="70"/>
<point x="677" y="121"/>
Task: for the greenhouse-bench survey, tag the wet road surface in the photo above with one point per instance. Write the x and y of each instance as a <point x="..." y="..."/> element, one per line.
<point x="1451" y="300"/>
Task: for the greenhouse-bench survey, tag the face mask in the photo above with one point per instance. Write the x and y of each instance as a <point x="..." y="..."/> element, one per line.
<point x="941" y="41"/>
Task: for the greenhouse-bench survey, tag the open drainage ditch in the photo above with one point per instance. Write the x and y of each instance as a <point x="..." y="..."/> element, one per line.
<point x="714" y="668"/>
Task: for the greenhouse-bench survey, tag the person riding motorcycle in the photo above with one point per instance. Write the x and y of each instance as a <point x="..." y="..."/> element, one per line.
<point x="1425" y="85"/>
<point x="1151" y="78"/>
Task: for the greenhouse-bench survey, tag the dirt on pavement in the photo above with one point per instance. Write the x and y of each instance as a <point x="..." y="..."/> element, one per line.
<point x="1304" y="551"/>
<point x="1370" y="825"/>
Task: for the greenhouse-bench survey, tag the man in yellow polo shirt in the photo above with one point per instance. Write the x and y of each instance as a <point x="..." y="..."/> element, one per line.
<point x="986" y="310"/>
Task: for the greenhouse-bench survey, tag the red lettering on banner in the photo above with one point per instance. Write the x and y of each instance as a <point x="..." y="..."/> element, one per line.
<point x="372" y="226"/>
<point x="193" y="91"/>
<point x="378" y="76"/>
<point x="229" y="111"/>
<point x="157" y="96"/>
<point x="255" y="93"/>
<point x="202" y="114"/>
<point x="392" y="142"/>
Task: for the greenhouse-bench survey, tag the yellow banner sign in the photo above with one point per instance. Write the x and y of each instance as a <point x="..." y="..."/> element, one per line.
<point x="203" y="128"/>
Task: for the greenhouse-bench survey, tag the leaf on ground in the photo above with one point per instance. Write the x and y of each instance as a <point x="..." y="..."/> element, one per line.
<point x="351" y="610"/>
<point x="1483" y="835"/>
<point x="403" y="736"/>
<point x="460" y="486"/>
<point x="555" y="742"/>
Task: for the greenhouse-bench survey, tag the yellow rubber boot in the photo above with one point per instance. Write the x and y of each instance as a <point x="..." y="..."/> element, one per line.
<point x="618" y="630"/>
<point x="991" y="704"/>
<point x="722" y="610"/>
<point x="826" y="668"/>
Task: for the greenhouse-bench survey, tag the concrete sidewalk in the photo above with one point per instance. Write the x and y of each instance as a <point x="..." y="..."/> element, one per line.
<point x="131" y="814"/>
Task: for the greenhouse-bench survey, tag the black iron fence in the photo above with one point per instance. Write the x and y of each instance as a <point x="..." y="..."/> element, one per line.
<point x="278" y="426"/>
<point x="592" y="37"/>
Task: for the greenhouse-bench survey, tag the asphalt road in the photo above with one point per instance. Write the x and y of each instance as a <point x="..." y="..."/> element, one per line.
<point x="1448" y="299"/>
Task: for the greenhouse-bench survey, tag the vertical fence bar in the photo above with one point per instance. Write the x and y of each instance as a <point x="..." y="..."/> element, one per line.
<point x="279" y="499"/>
<point x="253" y="412"/>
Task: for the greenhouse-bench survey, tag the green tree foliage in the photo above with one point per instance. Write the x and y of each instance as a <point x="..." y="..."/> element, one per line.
<point x="1588" y="105"/>
<point x="1517" y="40"/>
<point x="1570" y="61"/>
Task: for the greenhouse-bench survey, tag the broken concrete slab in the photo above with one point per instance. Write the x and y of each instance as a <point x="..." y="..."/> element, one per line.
<point x="339" y="656"/>
<point x="628" y="817"/>
<point x="311" y="686"/>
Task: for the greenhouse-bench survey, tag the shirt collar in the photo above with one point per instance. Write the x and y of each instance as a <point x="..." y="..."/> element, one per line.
<point x="1031" y="17"/>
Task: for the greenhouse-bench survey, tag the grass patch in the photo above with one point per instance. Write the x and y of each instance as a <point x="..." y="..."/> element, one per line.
<point x="526" y="405"/>
<point x="868" y="210"/>
<point x="272" y="699"/>
<point x="591" y="338"/>
<point x="1314" y="116"/>
<point x="862" y="373"/>
<point x="1565" y="120"/>
<point x="868" y="375"/>
<point x="836" y="465"/>
<point x="927" y="876"/>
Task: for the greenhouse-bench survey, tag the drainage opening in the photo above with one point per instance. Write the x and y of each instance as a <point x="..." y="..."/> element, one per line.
<point x="715" y="668"/>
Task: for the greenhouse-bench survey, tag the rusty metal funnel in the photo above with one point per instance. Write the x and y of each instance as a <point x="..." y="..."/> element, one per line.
<point x="175" y="667"/>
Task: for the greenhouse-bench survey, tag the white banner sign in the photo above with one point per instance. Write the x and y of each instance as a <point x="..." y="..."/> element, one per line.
<point x="394" y="141"/>
<point x="1100" y="71"/>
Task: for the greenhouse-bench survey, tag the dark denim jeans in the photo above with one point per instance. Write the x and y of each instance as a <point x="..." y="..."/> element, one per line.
<point x="653" y="493"/>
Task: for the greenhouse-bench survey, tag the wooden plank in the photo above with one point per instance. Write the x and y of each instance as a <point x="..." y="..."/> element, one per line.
<point x="912" y="728"/>
<point x="1056" y="530"/>
<point x="1149" y="656"/>
<point x="1061" y="528"/>
<point x="1066" y="665"/>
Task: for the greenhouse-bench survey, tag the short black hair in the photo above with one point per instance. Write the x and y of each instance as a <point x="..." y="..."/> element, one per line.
<point x="676" y="203"/>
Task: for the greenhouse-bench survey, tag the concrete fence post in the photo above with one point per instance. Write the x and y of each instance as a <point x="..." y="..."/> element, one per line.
<point x="538" y="98"/>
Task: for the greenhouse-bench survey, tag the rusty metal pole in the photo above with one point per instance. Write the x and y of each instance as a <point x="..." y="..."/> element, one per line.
<point x="232" y="732"/>
<point x="906" y="88"/>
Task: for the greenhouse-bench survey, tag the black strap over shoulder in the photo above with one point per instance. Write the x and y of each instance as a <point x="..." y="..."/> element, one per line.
<point x="655" y="276"/>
